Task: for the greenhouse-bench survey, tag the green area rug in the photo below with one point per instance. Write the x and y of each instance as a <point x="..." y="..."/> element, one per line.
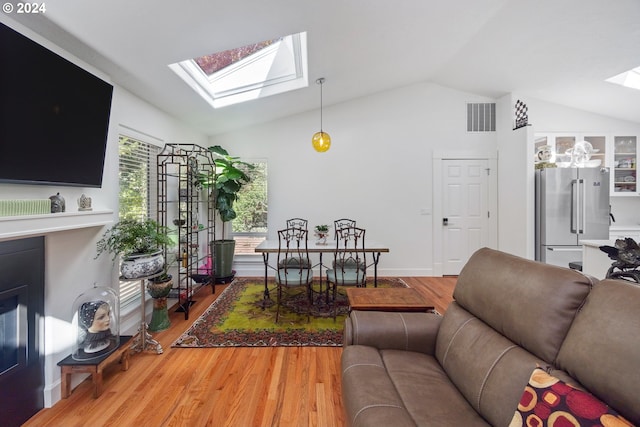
<point x="236" y="319"/>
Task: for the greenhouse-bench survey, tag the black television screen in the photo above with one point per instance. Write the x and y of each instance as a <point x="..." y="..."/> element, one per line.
<point x="54" y="116"/>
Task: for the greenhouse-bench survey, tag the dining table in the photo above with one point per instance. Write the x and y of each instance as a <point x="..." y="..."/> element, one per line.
<point x="267" y="247"/>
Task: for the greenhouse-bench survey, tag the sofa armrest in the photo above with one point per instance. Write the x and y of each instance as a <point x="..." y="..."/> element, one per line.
<point x="392" y="330"/>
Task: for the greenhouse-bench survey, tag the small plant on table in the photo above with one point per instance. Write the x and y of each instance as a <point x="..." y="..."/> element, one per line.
<point x="321" y="232"/>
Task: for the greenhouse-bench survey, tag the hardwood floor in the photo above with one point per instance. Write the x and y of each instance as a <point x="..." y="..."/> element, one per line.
<point x="276" y="386"/>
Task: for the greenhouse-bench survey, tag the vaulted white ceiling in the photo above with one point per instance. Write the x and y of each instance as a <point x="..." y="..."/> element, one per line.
<point x="555" y="50"/>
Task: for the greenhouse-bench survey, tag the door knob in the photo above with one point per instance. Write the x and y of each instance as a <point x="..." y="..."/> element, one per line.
<point x="445" y="221"/>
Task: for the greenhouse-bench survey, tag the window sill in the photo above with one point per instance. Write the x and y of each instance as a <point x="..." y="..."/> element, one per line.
<point x="247" y="258"/>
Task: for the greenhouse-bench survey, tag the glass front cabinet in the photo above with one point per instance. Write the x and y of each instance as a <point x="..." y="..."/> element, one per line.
<point x="625" y="150"/>
<point x="615" y="151"/>
<point x="562" y="146"/>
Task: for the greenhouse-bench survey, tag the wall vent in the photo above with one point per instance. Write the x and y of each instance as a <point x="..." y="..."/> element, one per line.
<point x="481" y="117"/>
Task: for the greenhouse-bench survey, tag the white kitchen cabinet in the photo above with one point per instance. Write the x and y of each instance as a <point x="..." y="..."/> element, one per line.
<point x="617" y="151"/>
<point x="624" y="167"/>
<point x="564" y="141"/>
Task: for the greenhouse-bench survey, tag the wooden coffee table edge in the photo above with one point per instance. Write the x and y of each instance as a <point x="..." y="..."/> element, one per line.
<point x="354" y="304"/>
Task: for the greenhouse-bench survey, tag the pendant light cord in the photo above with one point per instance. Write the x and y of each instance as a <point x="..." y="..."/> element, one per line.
<point x="320" y="81"/>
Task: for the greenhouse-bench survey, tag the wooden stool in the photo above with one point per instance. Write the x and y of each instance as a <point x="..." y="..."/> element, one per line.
<point x="94" y="367"/>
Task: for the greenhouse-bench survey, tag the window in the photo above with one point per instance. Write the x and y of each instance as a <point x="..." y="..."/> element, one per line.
<point x="248" y="72"/>
<point x="249" y="228"/>
<point x="210" y="64"/>
<point x="137" y="176"/>
<point x="630" y="79"/>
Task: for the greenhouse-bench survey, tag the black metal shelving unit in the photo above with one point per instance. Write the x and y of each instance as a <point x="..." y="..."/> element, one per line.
<point x="185" y="208"/>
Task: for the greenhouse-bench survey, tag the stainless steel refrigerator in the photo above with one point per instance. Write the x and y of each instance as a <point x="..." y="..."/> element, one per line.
<point x="572" y="204"/>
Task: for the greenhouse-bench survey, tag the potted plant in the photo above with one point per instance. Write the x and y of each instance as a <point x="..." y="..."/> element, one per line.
<point x="321" y="232"/>
<point x="158" y="283"/>
<point x="231" y="175"/>
<point x="140" y="244"/>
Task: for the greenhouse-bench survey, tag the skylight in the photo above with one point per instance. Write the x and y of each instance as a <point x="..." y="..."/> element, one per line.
<point x="248" y="72"/>
<point x="629" y="78"/>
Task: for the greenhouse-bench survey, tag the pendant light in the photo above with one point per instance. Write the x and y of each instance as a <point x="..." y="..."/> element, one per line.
<point x="321" y="140"/>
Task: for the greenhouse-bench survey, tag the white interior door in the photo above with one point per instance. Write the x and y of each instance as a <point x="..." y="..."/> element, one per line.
<point x="465" y="211"/>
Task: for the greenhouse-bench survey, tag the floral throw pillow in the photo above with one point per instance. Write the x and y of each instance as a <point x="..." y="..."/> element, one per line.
<point x="547" y="401"/>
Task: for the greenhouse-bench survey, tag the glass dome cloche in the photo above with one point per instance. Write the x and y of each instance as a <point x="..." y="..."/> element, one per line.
<point x="95" y="323"/>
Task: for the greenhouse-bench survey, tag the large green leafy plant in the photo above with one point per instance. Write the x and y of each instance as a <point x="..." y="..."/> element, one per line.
<point x="131" y="236"/>
<point x="231" y="175"/>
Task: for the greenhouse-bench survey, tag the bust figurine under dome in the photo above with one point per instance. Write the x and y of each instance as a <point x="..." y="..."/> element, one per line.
<point x="95" y="323"/>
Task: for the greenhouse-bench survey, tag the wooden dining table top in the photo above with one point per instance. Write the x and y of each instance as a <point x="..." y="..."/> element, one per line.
<point x="271" y="246"/>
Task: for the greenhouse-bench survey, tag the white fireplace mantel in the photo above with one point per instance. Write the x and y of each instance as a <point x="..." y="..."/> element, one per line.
<point x="12" y="227"/>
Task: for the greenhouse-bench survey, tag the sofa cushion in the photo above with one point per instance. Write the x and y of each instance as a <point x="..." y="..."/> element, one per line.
<point x="400" y="388"/>
<point x="602" y="350"/>
<point x="488" y="369"/>
<point x="368" y="394"/>
<point x="547" y="401"/>
<point x="419" y="378"/>
<point x="547" y="297"/>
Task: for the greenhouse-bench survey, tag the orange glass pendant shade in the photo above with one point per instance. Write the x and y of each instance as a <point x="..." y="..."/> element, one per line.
<point x="321" y="141"/>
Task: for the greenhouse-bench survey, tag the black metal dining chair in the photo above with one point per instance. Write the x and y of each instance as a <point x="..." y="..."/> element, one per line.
<point x="349" y="266"/>
<point x="297" y="223"/>
<point x="342" y="223"/>
<point x="294" y="267"/>
<point x="300" y="223"/>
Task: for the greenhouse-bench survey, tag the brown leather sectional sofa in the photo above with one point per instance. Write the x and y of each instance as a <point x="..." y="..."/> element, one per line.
<point x="470" y="366"/>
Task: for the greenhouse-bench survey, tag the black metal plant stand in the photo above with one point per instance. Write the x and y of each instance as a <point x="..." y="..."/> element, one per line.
<point x="186" y="173"/>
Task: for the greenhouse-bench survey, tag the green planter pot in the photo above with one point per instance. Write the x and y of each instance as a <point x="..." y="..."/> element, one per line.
<point x="223" y="257"/>
<point x="159" y="290"/>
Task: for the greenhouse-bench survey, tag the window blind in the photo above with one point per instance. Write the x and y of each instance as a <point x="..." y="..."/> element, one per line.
<point x="137" y="173"/>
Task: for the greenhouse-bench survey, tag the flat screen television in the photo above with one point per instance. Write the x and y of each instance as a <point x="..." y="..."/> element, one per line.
<point x="54" y="116"/>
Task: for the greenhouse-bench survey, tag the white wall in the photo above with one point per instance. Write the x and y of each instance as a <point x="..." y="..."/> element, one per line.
<point x="515" y="183"/>
<point x="70" y="267"/>
<point x="378" y="170"/>
<point x="548" y="117"/>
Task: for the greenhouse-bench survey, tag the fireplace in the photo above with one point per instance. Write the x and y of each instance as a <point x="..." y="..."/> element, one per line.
<point x="21" y="311"/>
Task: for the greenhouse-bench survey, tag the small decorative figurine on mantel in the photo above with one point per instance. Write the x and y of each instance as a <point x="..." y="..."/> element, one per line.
<point x="84" y="203"/>
<point x="57" y="203"/>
